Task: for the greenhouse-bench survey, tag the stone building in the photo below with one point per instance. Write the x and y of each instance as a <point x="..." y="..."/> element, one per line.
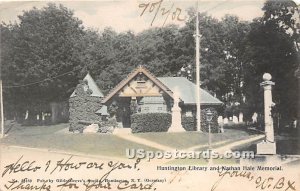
<point x="142" y="92"/>
<point x="85" y="105"/>
<point x="139" y="92"/>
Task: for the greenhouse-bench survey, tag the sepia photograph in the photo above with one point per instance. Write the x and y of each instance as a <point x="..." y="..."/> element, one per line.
<point x="150" y="95"/>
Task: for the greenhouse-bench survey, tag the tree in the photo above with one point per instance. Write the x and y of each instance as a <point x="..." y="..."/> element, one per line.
<point x="223" y="55"/>
<point x="236" y="61"/>
<point x="44" y="45"/>
<point x="157" y="48"/>
<point x="273" y="51"/>
<point x="7" y="32"/>
<point x="212" y="55"/>
<point x="284" y="16"/>
<point x="119" y="58"/>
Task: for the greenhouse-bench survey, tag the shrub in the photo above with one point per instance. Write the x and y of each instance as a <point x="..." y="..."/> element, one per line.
<point x="189" y="123"/>
<point x="150" y="122"/>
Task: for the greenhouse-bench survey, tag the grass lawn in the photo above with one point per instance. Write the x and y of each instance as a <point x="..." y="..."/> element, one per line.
<point x="45" y="137"/>
<point x="108" y="144"/>
<point x="189" y="139"/>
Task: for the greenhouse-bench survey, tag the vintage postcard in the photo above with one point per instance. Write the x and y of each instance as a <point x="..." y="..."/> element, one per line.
<point x="150" y="95"/>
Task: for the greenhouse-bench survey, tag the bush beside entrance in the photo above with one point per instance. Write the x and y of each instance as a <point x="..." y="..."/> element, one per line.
<point x="150" y="122"/>
<point x="160" y="122"/>
<point x="189" y="123"/>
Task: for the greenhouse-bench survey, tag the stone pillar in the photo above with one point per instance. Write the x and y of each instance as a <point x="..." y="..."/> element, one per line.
<point x="241" y="117"/>
<point x="225" y="121"/>
<point x="235" y="119"/>
<point x="268" y="146"/>
<point x="221" y="123"/>
<point x="268" y="104"/>
<point x="54" y="112"/>
<point x="176" y="116"/>
<point x="254" y="117"/>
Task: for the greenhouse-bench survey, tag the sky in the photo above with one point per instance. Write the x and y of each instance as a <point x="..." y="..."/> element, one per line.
<point x="124" y="15"/>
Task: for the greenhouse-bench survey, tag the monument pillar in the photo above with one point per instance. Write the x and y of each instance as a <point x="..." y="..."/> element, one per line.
<point x="268" y="146"/>
<point x="176" y="116"/>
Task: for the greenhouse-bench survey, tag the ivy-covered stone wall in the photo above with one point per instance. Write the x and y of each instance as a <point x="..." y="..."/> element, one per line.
<point x="82" y="108"/>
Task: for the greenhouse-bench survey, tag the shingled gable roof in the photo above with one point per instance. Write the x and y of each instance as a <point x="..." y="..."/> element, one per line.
<point x="187" y="91"/>
<point x="92" y="85"/>
<point x="140" y="69"/>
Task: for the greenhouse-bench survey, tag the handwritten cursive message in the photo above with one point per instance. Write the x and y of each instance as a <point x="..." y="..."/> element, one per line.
<point x="262" y="183"/>
<point x="158" y="9"/>
<point x="73" y="173"/>
<point x="102" y="182"/>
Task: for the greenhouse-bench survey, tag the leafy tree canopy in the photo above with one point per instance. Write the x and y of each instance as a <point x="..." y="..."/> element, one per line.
<point x="51" y="42"/>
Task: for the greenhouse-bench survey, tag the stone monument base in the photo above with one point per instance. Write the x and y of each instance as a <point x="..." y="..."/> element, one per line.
<point x="122" y="131"/>
<point x="266" y="148"/>
<point x="93" y="128"/>
<point x="176" y="128"/>
<point x="120" y="124"/>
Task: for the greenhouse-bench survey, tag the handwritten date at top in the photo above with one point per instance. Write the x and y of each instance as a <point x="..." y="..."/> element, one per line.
<point x="160" y="10"/>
